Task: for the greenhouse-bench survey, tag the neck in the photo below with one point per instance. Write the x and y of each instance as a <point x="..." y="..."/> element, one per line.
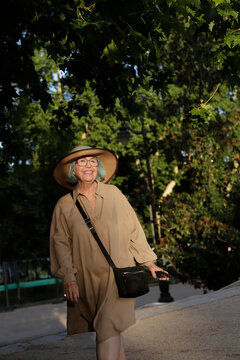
<point x="87" y="188"/>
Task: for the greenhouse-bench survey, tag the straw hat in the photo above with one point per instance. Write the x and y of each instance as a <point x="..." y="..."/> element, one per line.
<point x="107" y="158"/>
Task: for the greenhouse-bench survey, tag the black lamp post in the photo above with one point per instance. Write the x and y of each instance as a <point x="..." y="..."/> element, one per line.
<point x="124" y="136"/>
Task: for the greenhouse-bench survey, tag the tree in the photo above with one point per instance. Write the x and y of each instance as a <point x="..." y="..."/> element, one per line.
<point x="113" y="46"/>
<point x="65" y="65"/>
<point x="200" y="232"/>
<point x="37" y="139"/>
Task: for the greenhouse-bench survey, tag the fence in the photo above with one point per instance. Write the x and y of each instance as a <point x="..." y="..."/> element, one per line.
<point x="15" y="276"/>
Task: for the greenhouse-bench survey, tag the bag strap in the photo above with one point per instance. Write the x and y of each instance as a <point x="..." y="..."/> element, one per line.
<point x="94" y="233"/>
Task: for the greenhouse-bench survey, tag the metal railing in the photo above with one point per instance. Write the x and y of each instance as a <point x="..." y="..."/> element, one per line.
<point x="22" y="274"/>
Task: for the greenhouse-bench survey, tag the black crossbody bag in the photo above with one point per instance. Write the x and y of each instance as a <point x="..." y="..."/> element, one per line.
<point x="130" y="281"/>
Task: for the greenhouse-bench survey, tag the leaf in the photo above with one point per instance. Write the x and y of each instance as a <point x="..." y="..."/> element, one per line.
<point x="218" y="2"/>
<point x="211" y="25"/>
<point x="232" y="40"/>
<point x="227" y="11"/>
<point x="109" y="48"/>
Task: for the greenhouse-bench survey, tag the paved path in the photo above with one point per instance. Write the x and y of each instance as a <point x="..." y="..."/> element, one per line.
<point x="203" y="327"/>
<point x="35" y="321"/>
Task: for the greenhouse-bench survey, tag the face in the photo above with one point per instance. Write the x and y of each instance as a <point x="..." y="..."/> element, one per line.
<point x="86" y="169"/>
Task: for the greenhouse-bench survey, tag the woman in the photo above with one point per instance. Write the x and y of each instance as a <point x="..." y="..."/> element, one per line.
<point x="89" y="284"/>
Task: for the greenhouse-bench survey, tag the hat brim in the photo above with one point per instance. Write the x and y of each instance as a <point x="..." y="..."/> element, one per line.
<point x="107" y="158"/>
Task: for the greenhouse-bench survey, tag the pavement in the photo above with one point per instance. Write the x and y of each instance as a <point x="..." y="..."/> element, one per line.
<point x="195" y="326"/>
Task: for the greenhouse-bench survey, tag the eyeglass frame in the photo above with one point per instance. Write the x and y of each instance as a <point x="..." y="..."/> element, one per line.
<point x="87" y="161"/>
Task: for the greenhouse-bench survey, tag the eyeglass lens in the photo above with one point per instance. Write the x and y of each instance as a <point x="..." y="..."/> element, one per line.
<point x="83" y="162"/>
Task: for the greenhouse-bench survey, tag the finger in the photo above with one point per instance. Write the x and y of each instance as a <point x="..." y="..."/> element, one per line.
<point x="164" y="279"/>
<point x="72" y="298"/>
<point x="153" y="274"/>
<point x="162" y="275"/>
<point x="74" y="293"/>
<point x="70" y="292"/>
<point x="68" y="296"/>
<point x="76" y="296"/>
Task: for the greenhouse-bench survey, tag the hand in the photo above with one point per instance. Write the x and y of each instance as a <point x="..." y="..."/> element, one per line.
<point x="153" y="268"/>
<point x="71" y="291"/>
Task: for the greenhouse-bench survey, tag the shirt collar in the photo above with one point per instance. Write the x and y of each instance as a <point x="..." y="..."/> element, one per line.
<point x="99" y="191"/>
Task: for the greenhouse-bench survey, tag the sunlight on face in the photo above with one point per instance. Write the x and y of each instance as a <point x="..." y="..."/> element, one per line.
<point x="86" y="169"/>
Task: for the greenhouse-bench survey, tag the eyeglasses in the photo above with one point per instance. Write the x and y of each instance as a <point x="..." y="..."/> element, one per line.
<point x="83" y="162"/>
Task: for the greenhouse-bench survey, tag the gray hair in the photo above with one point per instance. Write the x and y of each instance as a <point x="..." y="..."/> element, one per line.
<point x="72" y="179"/>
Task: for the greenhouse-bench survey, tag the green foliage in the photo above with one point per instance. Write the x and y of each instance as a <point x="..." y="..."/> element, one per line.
<point x="195" y="244"/>
<point x="113" y="46"/>
<point x="200" y="235"/>
<point x="66" y="64"/>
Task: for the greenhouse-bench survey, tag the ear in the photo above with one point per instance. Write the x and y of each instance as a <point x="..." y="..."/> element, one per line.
<point x="73" y="172"/>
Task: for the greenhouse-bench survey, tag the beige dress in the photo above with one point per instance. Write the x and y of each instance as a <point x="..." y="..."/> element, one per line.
<point x="75" y="255"/>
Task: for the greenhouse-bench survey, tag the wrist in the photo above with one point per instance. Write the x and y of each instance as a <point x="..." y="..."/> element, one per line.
<point x="150" y="265"/>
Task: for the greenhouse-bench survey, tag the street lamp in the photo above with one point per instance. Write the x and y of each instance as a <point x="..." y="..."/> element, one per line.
<point x="124" y="136"/>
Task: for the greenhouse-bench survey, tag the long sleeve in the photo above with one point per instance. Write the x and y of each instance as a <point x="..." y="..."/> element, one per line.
<point x="139" y="246"/>
<point x="60" y="247"/>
